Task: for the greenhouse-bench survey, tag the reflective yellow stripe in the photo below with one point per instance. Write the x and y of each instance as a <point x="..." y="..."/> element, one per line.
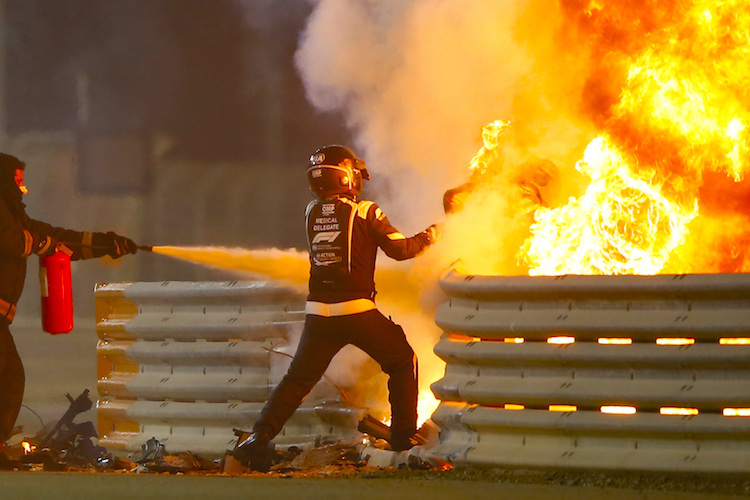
<point x="28" y="243"/>
<point x="7" y="310"/>
<point x="363" y="207"/>
<point x="87" y="251"/>
<point x="355" y="306"/>
<point x="396" y="236"/>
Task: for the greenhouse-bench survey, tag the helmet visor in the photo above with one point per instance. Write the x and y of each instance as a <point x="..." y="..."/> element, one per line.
<point x="326" y="180"/>
<point x="360" y="165"/>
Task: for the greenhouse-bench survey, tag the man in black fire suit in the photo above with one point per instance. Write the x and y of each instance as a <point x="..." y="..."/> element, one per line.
<point x="21" y="236"/>
<point x="343" y="237"/>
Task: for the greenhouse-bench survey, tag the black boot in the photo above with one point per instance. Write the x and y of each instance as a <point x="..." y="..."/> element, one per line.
<point x="255" y="451"/>
<point x="402" y="441"/>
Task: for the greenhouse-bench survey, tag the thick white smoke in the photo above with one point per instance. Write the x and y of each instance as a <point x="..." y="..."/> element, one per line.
<point x="417" y="79"/>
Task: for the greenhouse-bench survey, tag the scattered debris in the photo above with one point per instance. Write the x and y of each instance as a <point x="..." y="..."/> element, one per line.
<point x="182" y="462"/>
<point x="373" y="450"/>
<point x="70" y="446"/>
<point x="331" y="454"/>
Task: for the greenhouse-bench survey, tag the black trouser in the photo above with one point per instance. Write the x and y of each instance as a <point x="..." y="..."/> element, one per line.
<point x="322" y="338"/>
<point x="12" y="381"/>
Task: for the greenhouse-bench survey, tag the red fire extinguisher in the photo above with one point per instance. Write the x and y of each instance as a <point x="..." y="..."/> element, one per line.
<point x="57" y="291"/>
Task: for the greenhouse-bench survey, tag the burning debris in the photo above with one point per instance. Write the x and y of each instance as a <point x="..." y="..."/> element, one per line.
<point x="497" y="164"/>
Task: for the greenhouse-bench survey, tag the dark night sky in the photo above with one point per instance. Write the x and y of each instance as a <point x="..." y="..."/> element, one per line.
<point x="216" y="75"/>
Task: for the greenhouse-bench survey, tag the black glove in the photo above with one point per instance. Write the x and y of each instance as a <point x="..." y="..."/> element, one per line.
<point x="117" y="246"/>
<point x="45" y="246"/>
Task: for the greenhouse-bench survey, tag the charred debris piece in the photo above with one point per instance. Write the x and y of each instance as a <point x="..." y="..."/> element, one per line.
<point x="67" y="444"/>
<point x="156" y="459"/>
<point x="70" y="446"/>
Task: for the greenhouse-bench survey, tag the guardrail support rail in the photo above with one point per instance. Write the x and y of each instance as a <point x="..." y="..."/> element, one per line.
<point x="596" y="372"/>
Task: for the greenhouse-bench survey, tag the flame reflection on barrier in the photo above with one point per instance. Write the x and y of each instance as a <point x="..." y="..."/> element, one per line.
<point x="563" y="339"/>
<point x="563" y="408"/>
<point x="684" y="412"/>
<point x="674" y="341"/>
<point x="734" y="341"/>
<point x="736" y="412"/>
<point x="614" y="340"/>
<point x="618" y="410"/>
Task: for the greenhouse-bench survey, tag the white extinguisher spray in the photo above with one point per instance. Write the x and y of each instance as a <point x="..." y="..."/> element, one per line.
<point x="57" y="291"/>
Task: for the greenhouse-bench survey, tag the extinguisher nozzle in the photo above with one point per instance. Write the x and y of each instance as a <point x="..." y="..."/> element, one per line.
<point x="146" y="248"/>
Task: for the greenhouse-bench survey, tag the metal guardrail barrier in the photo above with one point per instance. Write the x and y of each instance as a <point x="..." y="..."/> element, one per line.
<point x="598" y="372"/>
<point x="186" y="363"/>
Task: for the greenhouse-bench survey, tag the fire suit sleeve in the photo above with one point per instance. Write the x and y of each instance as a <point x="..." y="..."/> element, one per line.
<point x="394" y="244"/>
<point x="14" y="240"/>
<point x="81" y="243"/>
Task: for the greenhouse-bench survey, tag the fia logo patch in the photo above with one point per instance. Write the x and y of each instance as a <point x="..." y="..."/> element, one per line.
<point x="328" y="208"/>
<point x="317" y="159"/>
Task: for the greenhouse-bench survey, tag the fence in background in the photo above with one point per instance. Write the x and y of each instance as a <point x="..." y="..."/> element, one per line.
<point x="597" y="372"/>
<point x="187" y="362"/>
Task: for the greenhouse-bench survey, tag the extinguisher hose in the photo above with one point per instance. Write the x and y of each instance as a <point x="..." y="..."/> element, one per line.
<point x="146" y="248"/>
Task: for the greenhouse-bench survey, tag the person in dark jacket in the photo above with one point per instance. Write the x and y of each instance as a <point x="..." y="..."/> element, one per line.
<point x="20" y="237"/>
<point x="343" y="237"/>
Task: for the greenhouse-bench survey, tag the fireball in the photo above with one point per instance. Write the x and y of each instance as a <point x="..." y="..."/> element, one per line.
<point x="666" y="193"/>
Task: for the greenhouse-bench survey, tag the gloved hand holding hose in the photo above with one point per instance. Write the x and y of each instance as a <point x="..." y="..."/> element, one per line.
<point x="114" y="244"/>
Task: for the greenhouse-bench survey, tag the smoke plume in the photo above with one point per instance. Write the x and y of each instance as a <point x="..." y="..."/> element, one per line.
<point x="662" y="84"/>
<point x="417" y="79"/>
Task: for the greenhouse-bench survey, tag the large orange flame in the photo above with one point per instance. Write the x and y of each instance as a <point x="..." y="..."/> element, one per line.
<point x="666" y="190"/>
<point x="623" y="224"/>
